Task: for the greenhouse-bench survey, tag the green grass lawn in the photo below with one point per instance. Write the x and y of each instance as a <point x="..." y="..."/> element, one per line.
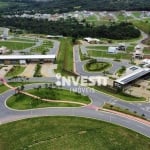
<point x="97" y="66"/>
<point x="83" y="56"/>
<point x="3" y="88"/>
<point x="16" y="45"/>
<point x="121" y="71"/>
<point x="92" y="19"/>
<point x="136" y="14"/>
<point x="38" y="71"/>
<point x="121" y="16"/>
<point x="65" y="57"/>
<point x="23" y="39"/>
<point x="104" y="48"/>
<point x="69" y="133"/>
<point x="15" y="71"/>
<point x="144" y="25"/>
<point x="147" y="50"/>
<point x="120" y="95"/>
<point x="20" y="101"/>
<point x="130" y="49"/>
<point x="107" y="55"/>
<point x="43" y="48"/>
<point x="4" y="4"/>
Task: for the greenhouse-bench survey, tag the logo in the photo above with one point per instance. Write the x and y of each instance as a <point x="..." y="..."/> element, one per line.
<point x="81" y="81"/>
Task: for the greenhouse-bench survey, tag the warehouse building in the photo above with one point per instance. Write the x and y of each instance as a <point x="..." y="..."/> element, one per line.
<point x="131" y="78"/>
<point x="23" y="59"/>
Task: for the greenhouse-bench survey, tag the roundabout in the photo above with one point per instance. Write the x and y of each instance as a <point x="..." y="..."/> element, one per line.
<point x="97" y="66"/>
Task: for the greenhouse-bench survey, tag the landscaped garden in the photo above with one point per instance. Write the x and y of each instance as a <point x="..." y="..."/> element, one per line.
<point x="44" y="48"/>
<point x="20" y="101"/>
<point x="38" y="71"/>
<point x="94" y="65"/>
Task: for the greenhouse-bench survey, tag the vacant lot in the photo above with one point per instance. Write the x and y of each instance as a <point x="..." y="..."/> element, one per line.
<point x="69" y="133"/>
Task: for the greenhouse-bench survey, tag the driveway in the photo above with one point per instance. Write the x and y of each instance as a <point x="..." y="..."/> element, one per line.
<point x="29" y="71"/>
<point x="47" y="70"/>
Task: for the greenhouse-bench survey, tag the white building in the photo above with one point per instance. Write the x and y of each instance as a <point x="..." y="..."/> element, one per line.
<point x="13" y="59"/>
<point x="113" y="50"/>
<point x="138" y="52"/>
<point x="138" y="47"/>
<point x="3" y="50"/>
<point x="5" y="33"/>
<point x="92" y="40"/>
<point x="146" y="63"/>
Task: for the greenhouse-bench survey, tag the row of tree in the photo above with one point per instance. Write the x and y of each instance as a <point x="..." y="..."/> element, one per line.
<point x="60" y="6"/>
<point x="72" y="28"/>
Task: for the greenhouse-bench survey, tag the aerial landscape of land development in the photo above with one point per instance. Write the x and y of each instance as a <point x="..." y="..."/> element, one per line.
<point x="74" y="75"/>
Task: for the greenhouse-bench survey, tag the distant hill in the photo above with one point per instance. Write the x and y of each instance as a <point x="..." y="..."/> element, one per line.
<point x="53" y="6"/>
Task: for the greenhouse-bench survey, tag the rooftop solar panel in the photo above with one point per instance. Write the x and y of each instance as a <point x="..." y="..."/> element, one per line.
<point x="134" y="77"/>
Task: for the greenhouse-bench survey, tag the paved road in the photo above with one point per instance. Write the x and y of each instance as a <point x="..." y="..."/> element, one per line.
<point x="55" y="49"/>
<point x="80" y="64"/>
<point x="140" y="108"/>
<point x="28" y="50"/>
<point x="98" y="99"/>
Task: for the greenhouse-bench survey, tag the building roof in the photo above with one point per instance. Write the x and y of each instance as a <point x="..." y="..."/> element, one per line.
<point x="91" y="39"/>
<point x="112" y="49"/>
<point x="54" y="36"/>
<point x="133" y="76"/>
<point x="146" y="61"/>
<point x="139" y="47"/>
<point x="21" y="57"/>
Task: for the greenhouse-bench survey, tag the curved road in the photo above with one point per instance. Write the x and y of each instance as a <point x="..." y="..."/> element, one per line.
<point x="79" y="65"/>
<point x="90" y="111"/>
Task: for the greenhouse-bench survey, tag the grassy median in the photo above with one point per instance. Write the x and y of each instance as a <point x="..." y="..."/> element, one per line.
<point x="65" y="57"/>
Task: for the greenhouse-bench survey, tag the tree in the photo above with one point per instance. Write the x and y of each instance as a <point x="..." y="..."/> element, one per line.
<point x="22" y="87"/>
